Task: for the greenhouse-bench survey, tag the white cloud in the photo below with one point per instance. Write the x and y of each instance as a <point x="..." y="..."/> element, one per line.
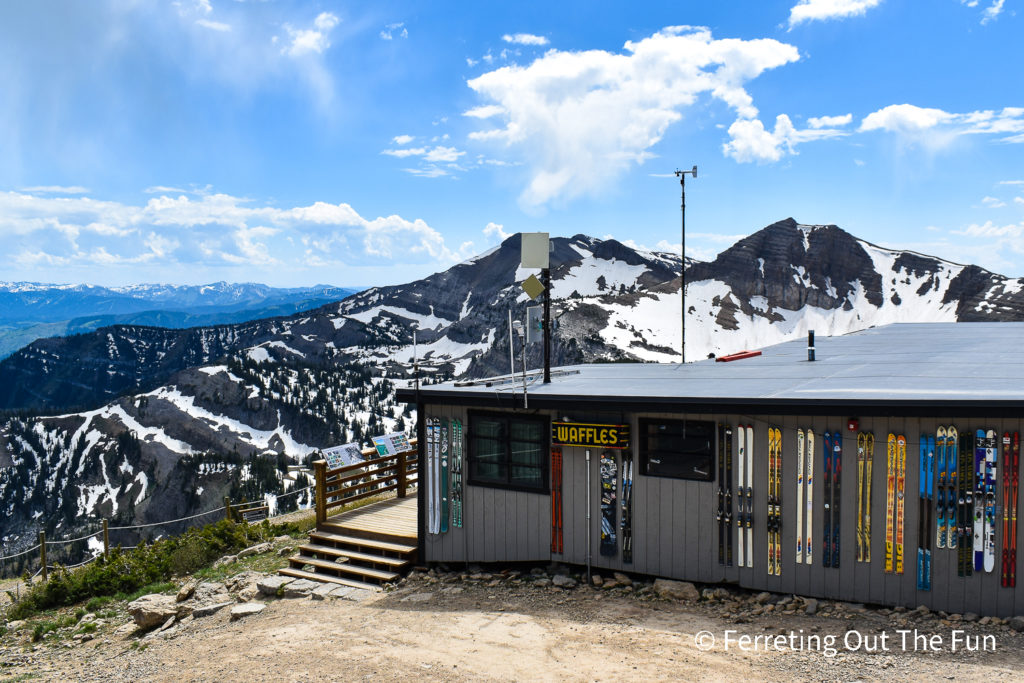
<point x="1011" y="182"/>
<point x="992" y="202"/>
<point x="525" y="39"/>
<point x="992" y="12"/>
<point x="313" y="40"/>
<point x="750" y="141"/>
<point x="56" y="189"/>
<point x="387" y="33"/>
<point x="817" y="10"/>
<point x="580" y="119"/>
<point x="829" y="121"/>
<point x="213" y="25"/>
<point x="935" y="128"/>
<point x="496" y="230"/>
<point x="1018" y="200"/>
<point x="484" y="112"/>
<point x="969" y="3"/>
<point x="406" y="152"/>
<point x="402" y="139"/>
<point x="211" y="231"/>
<point x="470" y="62"/>
<point x="442" y="154"/>
<point x="430" y="171"/>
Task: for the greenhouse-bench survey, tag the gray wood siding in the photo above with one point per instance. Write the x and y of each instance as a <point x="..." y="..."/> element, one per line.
<point x="498" y="525"/>
<point x="675" y="533"/>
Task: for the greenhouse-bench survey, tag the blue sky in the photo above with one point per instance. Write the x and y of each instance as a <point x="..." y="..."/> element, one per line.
<point x="372" y="143"/>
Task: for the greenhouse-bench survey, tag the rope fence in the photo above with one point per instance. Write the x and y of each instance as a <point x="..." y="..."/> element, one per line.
<point x="15" y="563"/>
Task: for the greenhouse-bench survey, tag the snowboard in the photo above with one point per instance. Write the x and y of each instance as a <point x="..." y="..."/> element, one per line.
<point x="609" y="484"/>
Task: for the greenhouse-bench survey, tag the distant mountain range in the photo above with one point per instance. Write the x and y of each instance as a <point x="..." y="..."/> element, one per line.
<point x="150" y="416"/>
<point x="30" y="311"/>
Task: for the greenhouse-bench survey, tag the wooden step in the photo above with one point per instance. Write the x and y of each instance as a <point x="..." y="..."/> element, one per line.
<point x="326" y="578"/>
<point x="311" y="548"/>
<point x="363" y="530"/>
<point x="346" y="568"/>
<point x="362" y="542"/>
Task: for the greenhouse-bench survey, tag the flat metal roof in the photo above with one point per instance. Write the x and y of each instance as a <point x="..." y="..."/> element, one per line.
<point x="959" y="366"/>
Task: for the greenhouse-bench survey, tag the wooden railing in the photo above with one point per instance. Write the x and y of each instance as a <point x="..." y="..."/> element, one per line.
<point x="372" y="477"/>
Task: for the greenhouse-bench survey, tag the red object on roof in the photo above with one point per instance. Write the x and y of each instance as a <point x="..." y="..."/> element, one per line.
<point x="737" y="356"/>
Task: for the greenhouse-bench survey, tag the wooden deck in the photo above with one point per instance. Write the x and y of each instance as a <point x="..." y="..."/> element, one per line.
<point x="395" y="518"/>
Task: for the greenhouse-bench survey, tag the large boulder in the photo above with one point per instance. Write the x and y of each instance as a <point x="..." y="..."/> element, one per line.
<point x="155" y="609"/>
<point x="676" y="590"/>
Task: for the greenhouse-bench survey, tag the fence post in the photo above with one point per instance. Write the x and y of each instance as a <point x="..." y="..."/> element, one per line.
<point x="320" y="473"/>
<point x="401" y="473"/>
<point x="227" y="508"/>
<point x="106" y="540"/>
<point x="42" y="552"/>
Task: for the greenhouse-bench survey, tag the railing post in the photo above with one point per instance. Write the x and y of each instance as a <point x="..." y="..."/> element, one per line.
<point x="401" y="474"/>
<point x="106" y="540"/>
<point x="320" y="474"/>
<point x="42" y="552"/>
<point x="227" y="508"/>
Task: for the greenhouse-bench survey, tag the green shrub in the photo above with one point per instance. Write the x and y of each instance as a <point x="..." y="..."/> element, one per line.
<point x="126" y="572"/>
<point x="98" y="603"/>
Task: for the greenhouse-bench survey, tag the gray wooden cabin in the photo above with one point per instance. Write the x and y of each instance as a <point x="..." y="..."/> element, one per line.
<point x="906" y="379"/>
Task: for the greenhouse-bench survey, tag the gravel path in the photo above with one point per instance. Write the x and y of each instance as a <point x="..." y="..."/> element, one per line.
<point x="457" y="626"/>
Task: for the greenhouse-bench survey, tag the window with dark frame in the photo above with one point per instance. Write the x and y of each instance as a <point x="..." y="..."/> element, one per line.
<point x="508" y="451"/>
<point x="681" y="449"/>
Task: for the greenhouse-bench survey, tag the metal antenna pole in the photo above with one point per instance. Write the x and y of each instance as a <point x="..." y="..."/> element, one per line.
<point x="682" y="253"/>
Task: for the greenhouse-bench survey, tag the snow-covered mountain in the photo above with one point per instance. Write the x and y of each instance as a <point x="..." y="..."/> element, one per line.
<point x="168" y="421"/>
<point x="30" y="311"/>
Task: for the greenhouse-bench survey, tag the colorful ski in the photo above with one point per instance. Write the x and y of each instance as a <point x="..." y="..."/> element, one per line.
<point x="750" y="495"/>
<point x="720" y="514"/>
<point x="800" y="496"/>
<point x="556" y="499"/>
<point x="444" y="476"/>
<point x="965" y="549"/>
<point x="837" y="479"/>
<point x="627" y="512"/>
<point x="774" y="522"/>
<point x="1007" y="466"/>
<point x="728" y="495"/>
<point x="433" y="475"/>
<point x="901" y="478"/>
<point x="609" y="485"/>
<point x="979" y="500"/>
<point x="991" y="472"/>
<point x="1014" y="481"/>
<point x="890" y="502"/>
<point x="741" y="517"/>
<point x="456" y="464"/>
<point x="924" y="535"/>
<point x="940" y="489"/>
<point x="827" y="527"/>
<point x="808" y="537"/>
<point x="869" y="456"/>
<point x="952" y="487"/>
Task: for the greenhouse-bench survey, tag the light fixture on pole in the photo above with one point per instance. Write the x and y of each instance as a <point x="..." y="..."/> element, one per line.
<point x="682" y="253"/>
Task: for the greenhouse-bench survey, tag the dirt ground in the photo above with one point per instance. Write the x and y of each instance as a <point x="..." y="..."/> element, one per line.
<point x="454" y="629"/>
